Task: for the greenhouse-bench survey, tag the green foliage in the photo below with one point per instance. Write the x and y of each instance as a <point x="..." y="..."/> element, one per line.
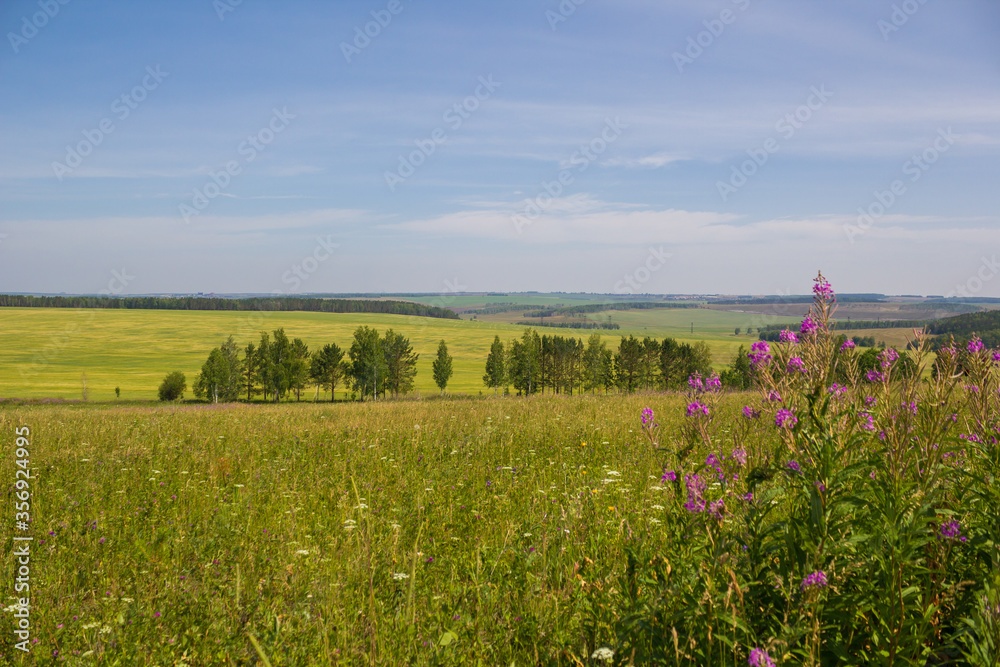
<point x="368" y="365"/>
<point x="327" y="367"/>
<point x="496" y="366"/>
<point x="400" y="363"/>
<point x="220" y="378"/>
<point x="441" y="367"/>
<point x="173" y="386"/>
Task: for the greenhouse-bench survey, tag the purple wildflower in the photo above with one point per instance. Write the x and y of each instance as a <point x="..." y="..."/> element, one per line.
<point x="951" y="531"/>
<point x="713" y="383"/>
<point x="760" y="658"/>
<point x="750" y="413"/>
<point x="669" y="476"/>
<point x="815" y="580"/>
<point x="887" y="357"/>
<point x="837" y="389"/>
<point x="787" y="336"/>
<point x="695" y="490"/>
<point x="867" y="423"/>
<point x="695" y="382"/>
<point x="794" y="465"/>
<point x="697" y="407"/>
<point x="875" y="376"/>
<point x="975" y="345"/>
<point x="759" y="354"/>
<point x="796" y="364"/>
<point x="785" y="419"/>
<point x="871" y="401"/>
<point x="717" y="508"/>
<point x="823" y="290"/>
<point x="647" y="416"/>
<point x="809" y="326"/>
<point x="740" y="456"/>
<point x="847" y="345"/>
<point x="774" y="396"/>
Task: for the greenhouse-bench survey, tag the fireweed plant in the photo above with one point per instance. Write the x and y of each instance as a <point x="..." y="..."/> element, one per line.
<point x="840" y="518"/>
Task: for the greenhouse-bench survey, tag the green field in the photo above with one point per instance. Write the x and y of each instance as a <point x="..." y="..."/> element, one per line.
<point x="46" y="352"/>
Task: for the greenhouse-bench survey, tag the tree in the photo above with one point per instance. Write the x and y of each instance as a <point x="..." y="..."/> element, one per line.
<point x="400" y="362"/>
<point x="738" y="374"/>
<point x="298" y="367"/>
<point x="251" y="363"/>
<point x="594" y="361"/>
<point x="328" y="367"/>
<point x="442" y="367"/>
<point x="173" y="386"/>
<point x="737" y="332"/>
<point x="279" y="364"/>
<point x="368" y="366"/>
<point x="496" y="367"/>
<point x="220" y="378"/>
<point x="525" y="362"/>
<point x="628" y="363"/>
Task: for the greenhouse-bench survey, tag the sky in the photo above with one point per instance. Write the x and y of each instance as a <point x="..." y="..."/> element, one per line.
<point x="608" y="146"/>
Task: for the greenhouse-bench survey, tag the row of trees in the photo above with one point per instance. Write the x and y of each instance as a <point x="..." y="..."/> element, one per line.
<point x="277" y="366"/>
<point x="532" y="363"/>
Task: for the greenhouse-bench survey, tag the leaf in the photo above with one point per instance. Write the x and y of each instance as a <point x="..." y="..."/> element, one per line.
<point x="447" y="638"/>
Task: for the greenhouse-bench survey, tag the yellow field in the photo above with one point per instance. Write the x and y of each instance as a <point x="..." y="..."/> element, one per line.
<point x="48" y="352"/>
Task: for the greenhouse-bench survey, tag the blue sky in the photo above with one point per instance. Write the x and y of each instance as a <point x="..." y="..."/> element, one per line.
<point x="710" y="146"/>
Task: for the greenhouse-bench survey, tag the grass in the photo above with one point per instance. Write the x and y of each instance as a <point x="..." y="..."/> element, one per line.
<point x="333" y="534"/>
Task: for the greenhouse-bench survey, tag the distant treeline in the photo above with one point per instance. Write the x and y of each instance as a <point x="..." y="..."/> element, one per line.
<point x="496" y="308"/>
<point x="624" y="305"/>
<point x="279" y="304"/>
<point x="769" y="329"/>
<point x="570" y="325"/>
<point x="798" y="298"/>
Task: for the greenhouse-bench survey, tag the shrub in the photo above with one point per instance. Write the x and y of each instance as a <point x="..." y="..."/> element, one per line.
<point x="173" y="386"/>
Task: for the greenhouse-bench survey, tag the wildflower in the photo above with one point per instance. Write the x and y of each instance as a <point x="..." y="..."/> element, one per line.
<point x="823" y="290"/>
<point x="910" y="407"/>
<point x="787" y="336"/>
<point x="713" y="383"/>
<point x="717" y="508"/>
<point x="875" y="376"/>
<point x="759" y="354"/>
<point x="400" y="576"/>
<point x="760" y="658"/>
<point x="669" y="475"/>
<point x="871" y="401"/>
<point x="694" y="381"/>
<point x="951" y="531"/>
<point x="695" y="489"/>
<point x="867" y="422"/>
<point x="740" y="456"/>
<point x="796" y="364"/>
<point x="794" y="465"/>
<point x="887" y="357"/>
<point x="785" y="419"/>
<point x="774" y="396"/>
<point x="815" y="580"/>
<point x="696" y="407"/>
<point x="647" y="416"/>
<point x="604" y="654"/>
<point x="837" y="389"/>
<point x="847" y="345"/>
<point x="750" y="413"/>
<point x="809" y="326"/>
<point x="975" y="345"/>
<point x="996" y="356"/>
